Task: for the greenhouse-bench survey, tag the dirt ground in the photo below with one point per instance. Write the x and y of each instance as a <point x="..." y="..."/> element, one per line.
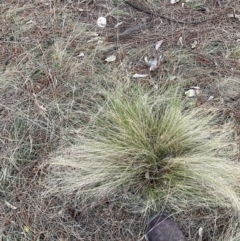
<point x="47" y="89"/>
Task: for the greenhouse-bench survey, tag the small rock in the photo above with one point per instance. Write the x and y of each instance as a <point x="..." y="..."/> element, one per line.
<point x="163" y="228"/>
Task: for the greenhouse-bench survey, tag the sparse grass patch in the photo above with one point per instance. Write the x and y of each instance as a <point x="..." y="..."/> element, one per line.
<point x="214" y="48"/>
<point x="40" y="90"/>
<point x="181" y="63"/>
<point x="235" y="52"/>
<point x="47" y="89"/>
<point x="180" y="57"/>
<point x="197" y="4"/>
<point x="229" y="89"/>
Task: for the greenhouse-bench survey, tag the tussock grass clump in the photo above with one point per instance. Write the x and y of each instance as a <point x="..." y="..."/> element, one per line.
<point x="150" y="143"/>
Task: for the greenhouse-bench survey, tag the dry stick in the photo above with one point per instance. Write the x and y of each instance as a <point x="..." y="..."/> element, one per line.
<point x="219" y="3"/>
<point x="170" y="19"/>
